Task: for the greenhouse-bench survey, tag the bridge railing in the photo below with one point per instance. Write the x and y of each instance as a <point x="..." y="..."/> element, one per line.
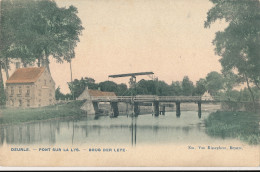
<point x="161" y="98"/>
<point x="147" y="98"/>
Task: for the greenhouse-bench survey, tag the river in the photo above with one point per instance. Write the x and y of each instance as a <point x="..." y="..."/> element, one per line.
<point x="145" y="140"/>
<point x="144" y="129"/>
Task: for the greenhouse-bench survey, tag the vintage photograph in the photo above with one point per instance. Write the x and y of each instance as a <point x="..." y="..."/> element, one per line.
<point x="129" y="83"/>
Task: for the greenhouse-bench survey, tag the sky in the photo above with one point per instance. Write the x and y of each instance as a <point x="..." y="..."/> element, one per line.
<point x="166" y="37"/>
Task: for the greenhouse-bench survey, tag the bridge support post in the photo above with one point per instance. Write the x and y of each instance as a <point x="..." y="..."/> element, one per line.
<point x="136" y="109"/>
<point x="156" y="108"/>
<point x="199" y="109"/>
<point x="95" y="105"/>
<point x="178" y="109"/>
<point x="162" y="111"/>
<point x="114" y="107"/>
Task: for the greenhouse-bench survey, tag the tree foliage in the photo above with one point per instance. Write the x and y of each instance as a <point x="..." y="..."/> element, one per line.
<point x="215" y="82"/>
<point x="239" y="43"/>
<point x="37" y="29"/>
<point x="187" y="86"/>
<point x="201" y="87"/>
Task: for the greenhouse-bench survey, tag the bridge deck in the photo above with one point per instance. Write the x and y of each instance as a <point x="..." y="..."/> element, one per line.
<point x="153" y="99"/>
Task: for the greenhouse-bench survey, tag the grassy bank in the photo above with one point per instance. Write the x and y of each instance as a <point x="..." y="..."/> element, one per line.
<point x="25" y="115"/>
<point x="241" y="125"/>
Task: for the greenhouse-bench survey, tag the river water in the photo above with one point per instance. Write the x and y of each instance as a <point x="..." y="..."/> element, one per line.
<point x="144" y="129"/>
<point x="142" y="141"/>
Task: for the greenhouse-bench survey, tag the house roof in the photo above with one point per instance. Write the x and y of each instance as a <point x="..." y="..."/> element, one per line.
<point x="26" y="75"/>
<point x="96" y="93"/>
<point x="108" y="93"/>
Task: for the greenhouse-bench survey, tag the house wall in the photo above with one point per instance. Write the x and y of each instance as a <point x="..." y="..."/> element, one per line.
<point x="44" y="90"/>
<point x="26" y="95"/>
<point x="19" y="95"/>
<point x="85" y="95"/>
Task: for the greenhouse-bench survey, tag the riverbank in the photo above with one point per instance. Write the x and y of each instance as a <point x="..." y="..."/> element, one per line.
<point x="242" y="125"/>
<point x="15" y="116"/>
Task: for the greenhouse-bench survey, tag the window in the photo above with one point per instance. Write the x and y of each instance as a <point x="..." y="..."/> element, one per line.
<point x="50" y="94"/>
<point x="40" y="93"/>
<point x="28" y="103"/>
<point x="50" y="101"/>
<point x="45" y="82"/>
<point x="12" y="90"/>
<point x="11" y="102"/>
<point x="20" y="90"/>
<point x="27" y="91"/>
<point x="20" y="103"/>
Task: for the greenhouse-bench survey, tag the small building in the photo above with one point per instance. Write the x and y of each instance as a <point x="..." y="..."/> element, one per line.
<point x="88" y="94"/>
<point x="206" y="96"/>
<point x="30" y="87"/>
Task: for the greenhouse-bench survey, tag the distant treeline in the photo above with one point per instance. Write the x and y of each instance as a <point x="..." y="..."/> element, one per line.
<point x="215" y="83"/>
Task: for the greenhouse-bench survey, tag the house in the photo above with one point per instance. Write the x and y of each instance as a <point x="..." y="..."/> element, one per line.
<point x="30" y="87"/>
<point x="206" y="96"/>
<point x="88" y="106"/>
<point x="89" y="93"/>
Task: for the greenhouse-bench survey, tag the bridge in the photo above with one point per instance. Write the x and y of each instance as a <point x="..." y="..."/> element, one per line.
<point x="135" y="101"/>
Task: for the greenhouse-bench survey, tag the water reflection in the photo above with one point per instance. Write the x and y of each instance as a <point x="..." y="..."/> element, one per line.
<point x="128" y="130"/>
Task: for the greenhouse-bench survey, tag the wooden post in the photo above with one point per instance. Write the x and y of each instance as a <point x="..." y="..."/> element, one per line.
<point x="126" y="108"/>
<point x="136" y="109"/>
<point x="199" y="109"/>
<point x="114" y="107"/>
<point x="156" y="108"/>
<point x="163" y="110"/>
<point x="178" y="109"/>
<point x="95" y="104"/>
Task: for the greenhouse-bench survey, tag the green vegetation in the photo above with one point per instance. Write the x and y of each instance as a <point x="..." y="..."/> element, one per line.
<point x="35" y="31"/>
<point x="242" y="125"/>
<point x="238" y="44"/>
<point x="56" y="111"/>
<point x="212" y="82"/>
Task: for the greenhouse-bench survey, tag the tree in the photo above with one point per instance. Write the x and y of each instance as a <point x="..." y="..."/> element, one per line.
<point x="78" y="86"/>
<point x="214" y="82"/>
<point x="146" y="87"/>
<point x="176" y="88"/>
<point x="60" y="96"/>
<point x="39" y="30"/>
<point x="200" y="88"/>
<point x="163" y="89"/>
<point x="122" y="89"/>
<point x="239" y="43"/>
<point x="35" y="30"/>
<point x="108" y="86"/>
<point x="187" y="86"/>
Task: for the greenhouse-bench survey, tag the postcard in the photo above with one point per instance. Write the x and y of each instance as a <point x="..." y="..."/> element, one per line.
<point x="129" y="83"/>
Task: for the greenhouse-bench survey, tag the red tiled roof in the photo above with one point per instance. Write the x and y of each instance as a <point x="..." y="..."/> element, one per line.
<point x="96" y="93"/>
<point x="26" y="75"/>
<point x="105" y="93"/>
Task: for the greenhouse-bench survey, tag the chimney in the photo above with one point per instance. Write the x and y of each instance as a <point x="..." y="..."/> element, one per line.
<point x="17" y="64"/>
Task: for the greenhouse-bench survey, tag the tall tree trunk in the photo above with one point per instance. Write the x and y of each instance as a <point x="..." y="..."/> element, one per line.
<point x="251" y="92"/>
<point x="46" y="61"/>
<point x="6" y="68"/>
<point x="71" y="81"/>
<point x="47" y="64"/>
<point x="2" y="91"/>
<point x="39" y="61"/>
<point x="257" y="85"/>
